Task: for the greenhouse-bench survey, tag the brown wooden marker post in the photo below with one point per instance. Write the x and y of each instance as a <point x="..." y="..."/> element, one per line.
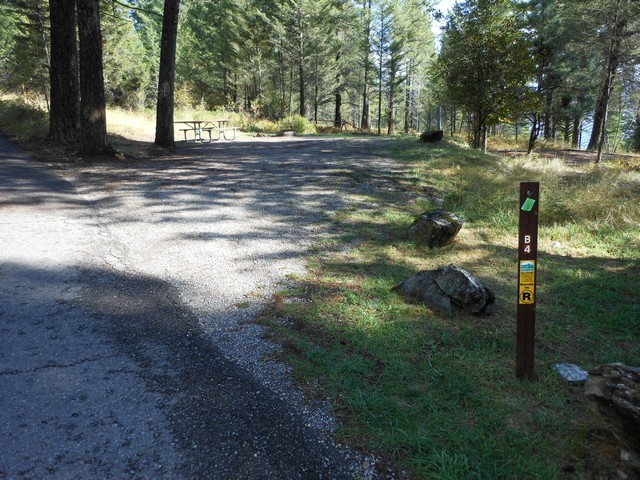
<point x="527" y="275"/>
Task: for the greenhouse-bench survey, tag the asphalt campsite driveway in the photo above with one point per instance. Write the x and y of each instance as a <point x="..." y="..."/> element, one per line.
<point x="126" y="294"/>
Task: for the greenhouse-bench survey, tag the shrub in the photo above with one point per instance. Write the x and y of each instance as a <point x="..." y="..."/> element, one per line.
<point x="259" y="125"/>
<point x="298" y="124"/>
<point x="23" y="121"/>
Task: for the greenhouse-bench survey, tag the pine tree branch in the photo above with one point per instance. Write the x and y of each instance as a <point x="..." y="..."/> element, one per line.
<point x="137" y="9"/>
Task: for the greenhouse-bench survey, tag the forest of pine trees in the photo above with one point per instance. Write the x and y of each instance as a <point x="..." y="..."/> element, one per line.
<point x="537" y="69"/>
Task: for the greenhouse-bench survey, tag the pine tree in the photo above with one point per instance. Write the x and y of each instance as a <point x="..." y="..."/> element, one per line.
<point x="65" y="90"/>
<point x="166" y="77"/>
<point x="93" y="120"/>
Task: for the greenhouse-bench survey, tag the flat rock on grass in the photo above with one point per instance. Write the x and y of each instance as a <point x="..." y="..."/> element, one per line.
<point x="571" y="373"/>
<point x="446" y="287"/>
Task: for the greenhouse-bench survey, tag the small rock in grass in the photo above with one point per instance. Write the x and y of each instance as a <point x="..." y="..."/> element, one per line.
<point x="571" y="373"/>
<point x="435" y="228"/>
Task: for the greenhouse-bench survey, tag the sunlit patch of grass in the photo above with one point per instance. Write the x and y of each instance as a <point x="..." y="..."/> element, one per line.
<point x="133" y="125"/>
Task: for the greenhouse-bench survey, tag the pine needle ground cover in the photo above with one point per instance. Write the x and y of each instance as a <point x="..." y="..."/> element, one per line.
<point x="435" y="395"/>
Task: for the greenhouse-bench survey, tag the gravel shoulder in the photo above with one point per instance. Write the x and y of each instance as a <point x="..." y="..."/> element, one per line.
<point x="148" y="274"/>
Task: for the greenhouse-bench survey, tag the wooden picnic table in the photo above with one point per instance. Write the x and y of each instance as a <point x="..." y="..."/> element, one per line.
<point x="194" y="126"/>
<point x="208" y="126"/>
<point x="223" y="128"/>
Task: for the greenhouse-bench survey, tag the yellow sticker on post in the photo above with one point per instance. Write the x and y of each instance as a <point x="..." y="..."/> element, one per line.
<point x="527" y="272"/>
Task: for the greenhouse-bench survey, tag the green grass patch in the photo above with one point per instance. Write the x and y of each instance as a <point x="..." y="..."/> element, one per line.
<point x="436" y="395"/>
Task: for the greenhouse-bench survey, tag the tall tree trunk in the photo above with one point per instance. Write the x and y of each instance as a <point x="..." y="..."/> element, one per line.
<point x="301" y="67"/>
<point x="380" y="98"/>
<point x="167" y="73"/>
<point x="535" y="131"/>
<point x="392" y="101"/>
<point x="484" y="138"/>
<point x="407" y="106"/>
<point x="316" y="103"/>
<point x="453" y="120"/>
<point x="636" y="132"/>
<point x="65" y="90"/>
<point x="234" y="91"/>
<point x="225" y="86"/>
<point x="303" y="106"/>
<point x="575" y="135"/>
<point x="283" y="80"/>
<point x="337" y="118"/>
<point x="598" y="133"/>
<point x="407" y="99"/>
<point x="548" y="114"/>
<point x="364" y="122"/>
<point x="45" y="47"/>
<point x="316" y="88"/>
<point x="478" y="130"/>
<point x="291" y="84"/>
<point x="93" y="138"/>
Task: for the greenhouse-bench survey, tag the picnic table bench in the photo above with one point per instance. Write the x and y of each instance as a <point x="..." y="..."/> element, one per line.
<point x="198" y="127"/>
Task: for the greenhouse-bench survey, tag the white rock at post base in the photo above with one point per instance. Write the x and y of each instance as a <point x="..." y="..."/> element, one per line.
<point x="571" y="373"/>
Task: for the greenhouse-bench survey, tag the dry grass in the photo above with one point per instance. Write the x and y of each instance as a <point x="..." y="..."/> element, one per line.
<point x="139" y="126"/>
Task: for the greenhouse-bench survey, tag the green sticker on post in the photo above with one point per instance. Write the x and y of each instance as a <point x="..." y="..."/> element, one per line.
<point x="528" y="204"/>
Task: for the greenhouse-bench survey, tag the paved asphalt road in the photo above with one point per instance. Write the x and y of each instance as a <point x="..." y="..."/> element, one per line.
<point x="107" y="374"/>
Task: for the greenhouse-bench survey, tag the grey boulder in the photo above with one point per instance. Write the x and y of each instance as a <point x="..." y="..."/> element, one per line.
<point x="435" y="228"/>
<point x="446" y="287"/>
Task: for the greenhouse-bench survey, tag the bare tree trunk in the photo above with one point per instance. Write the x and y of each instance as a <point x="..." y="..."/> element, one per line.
<point x="453" y="120"/>
<point x="535" y="131"/>
<point x="316" y="88"/>
<point x="575" y="135"/>
<point x="337" y="118"/>
<point x="407" y="108"/>
<point x="478" y="130"/>
<point x="303" y="106"/>
<point x="392" y="99"/>
<point x="234" y="91"/>
<point x="301" y="53"/>
<point x="283" y="81"/>
<point x="598" y="133"/>
<point x="65" y="90"/>
<point x="364" y="123"/>
<point x="166" y="77"/>
<point x="548" y="114"/>
<point x="45" y="48"/>
<point x="636" y="132"/>
<point x="93" y="139"/>
<point x="380" y="63"/>
<point x="407" y="99"/>
<point x="225" y="86"/>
